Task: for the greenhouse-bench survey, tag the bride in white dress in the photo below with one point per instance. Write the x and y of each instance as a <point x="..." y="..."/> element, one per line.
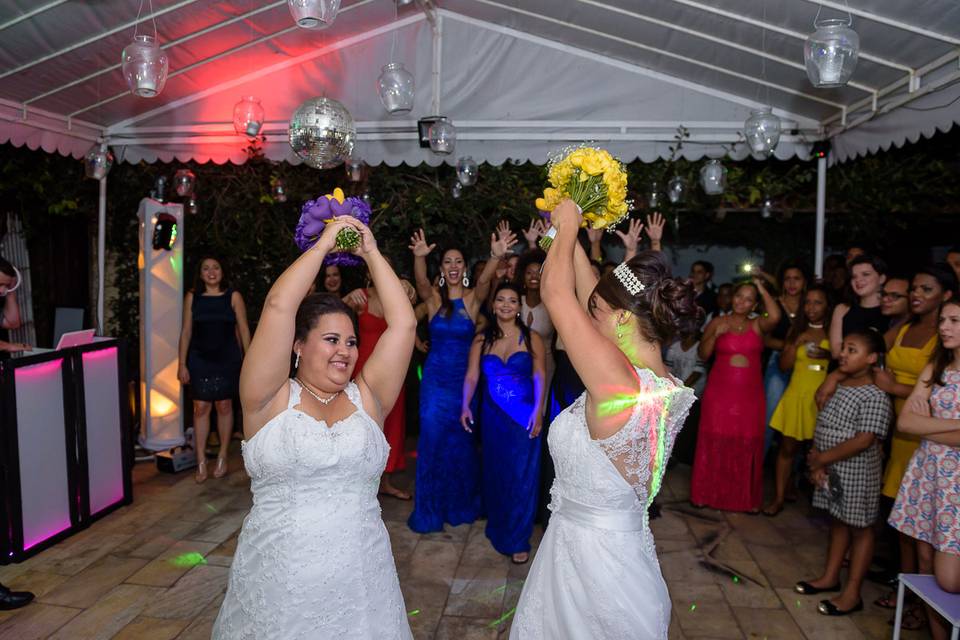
<point x="595" y="575"/>
<point x="313" y="559"/>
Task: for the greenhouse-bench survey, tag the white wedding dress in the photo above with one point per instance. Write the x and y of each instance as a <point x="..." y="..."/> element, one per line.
<point x="595" y="575"/>
<point x="313" y="559"/>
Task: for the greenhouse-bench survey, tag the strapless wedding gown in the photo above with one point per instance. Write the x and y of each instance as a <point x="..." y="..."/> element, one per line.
<point x="596" y="575"/>
<point x="313" y="559"/>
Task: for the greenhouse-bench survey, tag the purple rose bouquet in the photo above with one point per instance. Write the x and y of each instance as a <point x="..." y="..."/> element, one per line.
<point x="314" y="216"/>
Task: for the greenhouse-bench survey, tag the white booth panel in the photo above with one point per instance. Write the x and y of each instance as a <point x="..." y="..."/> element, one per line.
<point x="44" y="486"/>
<point x="101" y="397"/>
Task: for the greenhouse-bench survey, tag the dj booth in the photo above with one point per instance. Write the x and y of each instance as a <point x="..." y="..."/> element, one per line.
<point x="65" y="449"/>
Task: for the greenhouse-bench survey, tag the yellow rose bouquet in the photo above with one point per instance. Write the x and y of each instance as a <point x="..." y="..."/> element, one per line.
<point x="595" y="181"/>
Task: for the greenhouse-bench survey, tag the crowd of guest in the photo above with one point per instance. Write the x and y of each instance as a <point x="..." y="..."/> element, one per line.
<point x="844" y="387"/>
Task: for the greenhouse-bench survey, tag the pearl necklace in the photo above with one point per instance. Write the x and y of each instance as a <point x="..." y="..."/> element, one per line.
<point x="323" y="401"/>
<point x="815" y="326"/>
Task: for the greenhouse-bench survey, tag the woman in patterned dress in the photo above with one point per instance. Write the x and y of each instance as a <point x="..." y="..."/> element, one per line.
<point x="845" y="466"/>
<point x="928" y="503"/>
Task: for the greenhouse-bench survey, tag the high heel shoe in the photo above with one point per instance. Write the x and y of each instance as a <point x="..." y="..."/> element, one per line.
<point x="221" y="469"/>
<point x="201" y="475"/>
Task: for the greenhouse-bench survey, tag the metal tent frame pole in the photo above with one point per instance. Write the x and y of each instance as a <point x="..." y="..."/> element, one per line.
<point x="821" y="215"/>
<point x="101" y="250"/>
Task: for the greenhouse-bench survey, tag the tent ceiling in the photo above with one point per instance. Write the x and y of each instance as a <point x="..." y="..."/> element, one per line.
<point x="517" y="77"/>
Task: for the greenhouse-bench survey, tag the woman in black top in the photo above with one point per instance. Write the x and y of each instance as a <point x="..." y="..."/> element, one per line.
<point x="867" y="275"/>
<point x="792" y="284"/>
<point x="214" y="337"/>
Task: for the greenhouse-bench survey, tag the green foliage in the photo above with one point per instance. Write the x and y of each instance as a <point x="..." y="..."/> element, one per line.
<point x="872" y="199"/>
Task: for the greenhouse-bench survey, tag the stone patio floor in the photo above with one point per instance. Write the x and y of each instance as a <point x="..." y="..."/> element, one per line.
<point x="157" y="570"/>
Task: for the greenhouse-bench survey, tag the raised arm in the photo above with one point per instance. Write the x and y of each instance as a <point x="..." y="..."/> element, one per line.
<point x="186" y="332"/>
<point x="768" y="321"/>
<point x="243" y="327"/>
<point x="631" y="238"/>
<point x="470" y="381"/>
<point x="420" y="249"/>
<point x="603" y="368"/>
<point x="583" y="274"/>
<point x="384" y="372"/>
<point x="267" y="363"/>
<point x="655" y="224"/>
<point x="500" y="243"/>
<point x="836" y="329"/>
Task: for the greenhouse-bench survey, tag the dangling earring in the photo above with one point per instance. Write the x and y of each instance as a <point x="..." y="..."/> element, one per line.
<point x="619" y="331"/>
<point x="466" y="281"/>
<point x="296" y="363"/>
<point x="442" y="282"/>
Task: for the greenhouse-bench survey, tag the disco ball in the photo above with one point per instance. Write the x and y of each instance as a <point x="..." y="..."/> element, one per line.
<point x="322" y="133"/>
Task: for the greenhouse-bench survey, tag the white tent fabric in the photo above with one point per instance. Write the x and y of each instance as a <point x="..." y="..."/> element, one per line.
<point x="518" y="78"/>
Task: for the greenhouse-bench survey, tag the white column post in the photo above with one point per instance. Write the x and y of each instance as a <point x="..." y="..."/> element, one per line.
<point x="821" y="216"/>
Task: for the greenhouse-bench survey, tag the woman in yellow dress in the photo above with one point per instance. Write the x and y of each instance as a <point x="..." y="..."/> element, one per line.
<point x="807" y="351"/>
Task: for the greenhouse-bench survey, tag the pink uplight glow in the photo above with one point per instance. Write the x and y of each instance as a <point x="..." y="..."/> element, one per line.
<point x="100" y="354"/>
<point x="53" y="530"/>
<point x="38" y="370"/>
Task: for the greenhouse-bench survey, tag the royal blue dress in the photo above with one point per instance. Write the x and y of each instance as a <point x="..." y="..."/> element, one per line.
<point x="448" y="465"/>
<point x="511" y="459"/>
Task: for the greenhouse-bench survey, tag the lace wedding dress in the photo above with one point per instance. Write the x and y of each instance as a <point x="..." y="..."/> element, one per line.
<point x="313" y="559"/>
<point x="596" y="575"/>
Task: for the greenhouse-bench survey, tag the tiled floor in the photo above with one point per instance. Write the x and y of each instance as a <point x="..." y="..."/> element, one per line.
<point x="157" y="570"/>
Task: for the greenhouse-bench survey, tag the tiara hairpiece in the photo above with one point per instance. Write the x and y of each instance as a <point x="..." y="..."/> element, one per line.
<point x="627" y="278"/>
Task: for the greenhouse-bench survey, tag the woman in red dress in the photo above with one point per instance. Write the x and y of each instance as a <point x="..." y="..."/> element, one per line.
<point x="371" y="324"/>
<point x="728" y="467"/>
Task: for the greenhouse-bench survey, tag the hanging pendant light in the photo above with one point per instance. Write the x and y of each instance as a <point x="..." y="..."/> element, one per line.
<point x="314" y="14"/>
<point x="192" y="206"/>
<point x="278" y="190"/>
<point x="98" y="161"/>
<point x="395" y="87"/>
<point x="762" y="131"/>
<point x="456" y="190"/>
<point x="183" y="182"/>
<point x="713" y="177"/>
<point x="145" y="66"/>
<point x="653" y="198"/>
<point x="354" y="167"/>
<point x="766" y="208"/>
<point x="676" y="190"/>
<point x="830" y="53"/>
<point x="467" y="171"/>
<point x="248" y="116"/>
<point x="443" y="136"/>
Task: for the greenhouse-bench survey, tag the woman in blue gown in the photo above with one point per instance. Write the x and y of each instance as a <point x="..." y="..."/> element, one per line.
<point x="448" y="466"/>
<point x="509" y="360"/>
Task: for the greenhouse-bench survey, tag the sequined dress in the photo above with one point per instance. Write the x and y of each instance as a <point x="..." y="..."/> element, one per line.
<point x="596" y="575"/>
<point x="313" y="559"/>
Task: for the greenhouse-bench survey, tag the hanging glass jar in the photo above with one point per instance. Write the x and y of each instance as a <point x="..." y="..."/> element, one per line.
<point x="395" y="87"/>
<point x="145" y="66"/>
<point x="183" y="182"/>
<point x="314" y="14"/>
<point x="830" y="53"/>
<point x="713" y="177"/>
<point x="676" y="190"/>
<point x="248" y="116"/>
<point x="443" y="136"/>
<point x="762" y="131"/>
<point x="278" y="190"/>
<point x="98" y="161"/>
<point x="467" y="171"/>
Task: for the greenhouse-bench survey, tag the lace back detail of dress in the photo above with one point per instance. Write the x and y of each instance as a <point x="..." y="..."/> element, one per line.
<point x="640" y="450"/>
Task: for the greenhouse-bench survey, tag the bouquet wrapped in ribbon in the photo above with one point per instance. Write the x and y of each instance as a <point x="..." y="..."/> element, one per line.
<point x="594" y="180"/>
<point x="314" y="217"/>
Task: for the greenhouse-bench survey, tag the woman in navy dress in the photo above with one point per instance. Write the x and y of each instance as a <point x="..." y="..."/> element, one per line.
<point x="213" y="338"/>
<point x="510" y="361"/>
<point x="448" y="466"/>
